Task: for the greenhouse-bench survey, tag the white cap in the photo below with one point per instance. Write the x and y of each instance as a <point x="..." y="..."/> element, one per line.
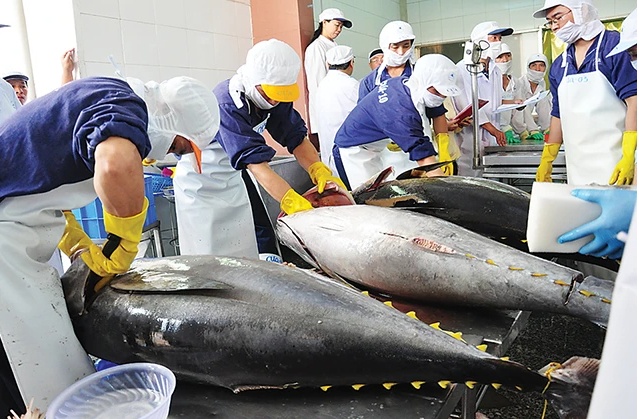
<point x="340" y="54"/>
<point x="536" y="57"/>
<point x="573" y="5"/>
<point x="178" y="106"/>
<point x="394" y="32"/>
<point x="628" y="34"/>
<point x="482" y="30"/>
<point x="275" y="66"/>
<point x="335" y="14"/>
<point x="15" y="75"/>
<point x="504" y="49"/>
<point x="438" y="71"/>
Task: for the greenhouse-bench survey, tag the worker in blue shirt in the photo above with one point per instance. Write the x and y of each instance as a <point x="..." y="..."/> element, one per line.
<point x="213" y="211"/>
<point x="59" y="151"/>
<point x="399" y="109"/>
<point x="594" y="112"/>
<point x="396" y="42"/>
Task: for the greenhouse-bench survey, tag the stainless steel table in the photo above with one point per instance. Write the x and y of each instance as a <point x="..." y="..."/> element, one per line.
<point x="519" y="161"/>
<point x="497" y="329"/>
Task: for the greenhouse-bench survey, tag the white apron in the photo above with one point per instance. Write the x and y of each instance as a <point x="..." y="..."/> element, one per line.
<point x="592" y="122"/>
<point x="213" y="210"/>
<point x="35" y="327"/>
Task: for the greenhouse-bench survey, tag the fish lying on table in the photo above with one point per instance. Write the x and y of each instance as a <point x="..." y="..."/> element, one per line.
<point x="249" y="324"/>
<point x="490" y="208"/>
<point x="424" y="258"/>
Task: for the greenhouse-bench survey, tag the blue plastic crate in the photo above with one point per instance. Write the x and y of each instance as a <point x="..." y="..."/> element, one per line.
<point x="159" y="182"/>
<point x="91" y="217"/>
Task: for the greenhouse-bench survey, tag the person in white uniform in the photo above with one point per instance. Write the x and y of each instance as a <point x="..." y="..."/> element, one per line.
<point x="594" y="112"/>
<point x="336" y="98"/>
<point x="331" y="22"/>
<point x="524" y="123"/>
<point x="103" y="129"/>
<point x="511" y="92"/>
<point x="375" y="58"/>
<point x="487" y="35"/>
<point x="213" y="210"/>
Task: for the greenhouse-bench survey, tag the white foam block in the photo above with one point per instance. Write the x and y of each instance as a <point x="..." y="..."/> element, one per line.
<point x="554" y="211"/>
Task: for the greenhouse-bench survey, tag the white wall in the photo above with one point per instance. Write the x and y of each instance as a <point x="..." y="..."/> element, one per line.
<point x="149" y="39"/>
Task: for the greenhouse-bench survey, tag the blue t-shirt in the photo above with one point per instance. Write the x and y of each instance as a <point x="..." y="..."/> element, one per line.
<point x="241" y="129"/>
<point x="51" y="140"/>
<point x="388" y="112"/>
<point x="617" y="69"/>
<point x="367" y="84"/>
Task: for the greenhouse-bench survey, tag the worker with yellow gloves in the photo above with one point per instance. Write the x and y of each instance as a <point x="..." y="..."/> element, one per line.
<point x="594" y="91"/>
<point x="218" y="211"/>
<point x="103" y="129"/>
<point x="400" y="109"/>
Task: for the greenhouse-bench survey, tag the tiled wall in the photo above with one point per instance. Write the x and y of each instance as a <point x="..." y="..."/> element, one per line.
<point x="159" y="39"/>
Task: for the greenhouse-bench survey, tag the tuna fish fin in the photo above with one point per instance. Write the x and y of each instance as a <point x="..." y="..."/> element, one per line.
<point x="456" y="335"/>
<point x="470" y="384"/>
<point x="444" y="383"/>
<point x="505" y="358"/>
<point x="372" y="185"/>
<point x="483" y="347"/>
<point x="420" y="171"/>
<point x="150" y="282"/>
<point x="417" y="384"/>
<point x="496" y="386"/>
<point x="412" y="315"/>
<point x="435" y="326"/>
<point x="325" y="388"/>
<point x="366" y="293"/>
<point x="358" y="386"/>
<point x="389" y="303"/>
<point x="388" y="386"/>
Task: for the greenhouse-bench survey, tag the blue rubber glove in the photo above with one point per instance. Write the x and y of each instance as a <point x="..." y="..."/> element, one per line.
<point x="617" y="206"/>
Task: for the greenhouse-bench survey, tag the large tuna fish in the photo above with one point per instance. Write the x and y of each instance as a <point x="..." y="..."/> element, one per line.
<point x="420" y="257"/>
<point x="245" y="324"/>
<point x="490" y="208"/>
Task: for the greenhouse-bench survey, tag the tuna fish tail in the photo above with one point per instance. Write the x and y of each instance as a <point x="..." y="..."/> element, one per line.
<point x="570" y="386"/>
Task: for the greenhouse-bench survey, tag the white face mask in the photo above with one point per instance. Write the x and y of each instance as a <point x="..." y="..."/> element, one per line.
<point x="258" y="99"/>
<point x="505" y="68"/>
<point x="634" y="64"/>
<point x="431" y="100"/>
<point x="393" y="59"/>
<point x="569" y="33"/>
<point x="535" y="76"/>
<point x="495" y="49"/>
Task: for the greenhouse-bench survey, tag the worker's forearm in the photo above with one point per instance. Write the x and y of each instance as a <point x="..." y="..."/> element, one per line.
<point x="272" y="183"/>
<point x="631" y="113"/>
<point x="440" y="125"/>
<point x="555" y="136"/>
<point x="118" y="177"/>
<point x="306" y="154"/>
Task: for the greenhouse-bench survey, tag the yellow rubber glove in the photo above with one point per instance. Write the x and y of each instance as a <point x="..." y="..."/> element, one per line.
<point x="320" y="174"/>
<point x="524" y="135"/>
<point x="129" y="229"/>
<point x="392" y="146"/>
<point x="443" y="147"/>
<point x="293" y="202"/>
<point x="625" y="168"/>
<point x="548" y="155"/>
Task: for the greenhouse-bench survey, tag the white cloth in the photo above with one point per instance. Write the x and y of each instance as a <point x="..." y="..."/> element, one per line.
<point x="336" y="97"/>
<point x="8" y="100"/>
<point x="511" y="92"/>
<point x="524" y="120"/>
<point x="316" y="69"/>
<point x="616" y="385"/>
<point x="490" y="89"/>
<point x="592" y="129"/>
<point x="213" y="209"/>
<point x="363" y="162"/>
<point x="35" y="327"/>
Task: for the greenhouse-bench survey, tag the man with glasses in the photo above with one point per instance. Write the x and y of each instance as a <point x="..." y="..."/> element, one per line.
<point x="594" y="109"/>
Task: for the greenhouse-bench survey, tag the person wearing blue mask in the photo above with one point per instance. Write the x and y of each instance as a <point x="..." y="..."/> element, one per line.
<point x="401" y="110"/>
<point x="594" y="111"/>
